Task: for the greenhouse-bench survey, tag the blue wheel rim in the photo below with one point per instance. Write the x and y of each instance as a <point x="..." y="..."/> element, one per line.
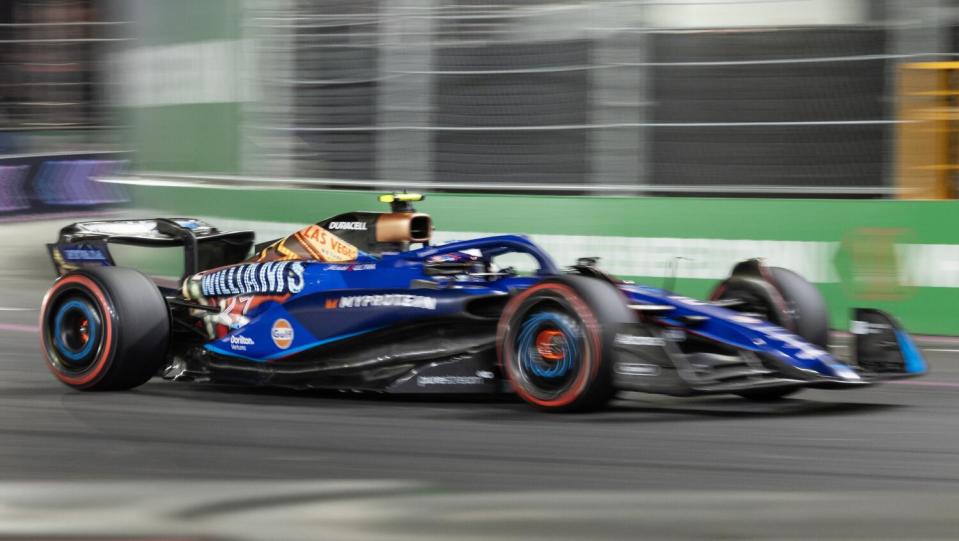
<point x="63" y="318"/>
<point x="552" y="372"/>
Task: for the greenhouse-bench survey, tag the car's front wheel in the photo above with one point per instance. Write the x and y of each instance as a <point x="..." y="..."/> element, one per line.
<point x="784" y="298"/>
<point x="554" y="343"/>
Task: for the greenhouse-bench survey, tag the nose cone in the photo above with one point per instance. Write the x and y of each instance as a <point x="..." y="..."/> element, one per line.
<point x="809" y="359"/>
<point x="820" y="363"/>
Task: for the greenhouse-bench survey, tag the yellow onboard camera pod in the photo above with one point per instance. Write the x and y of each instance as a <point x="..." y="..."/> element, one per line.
<point x="401" y="197"/>
<point x="401" y="202"/>
<point x="403" y="223"/>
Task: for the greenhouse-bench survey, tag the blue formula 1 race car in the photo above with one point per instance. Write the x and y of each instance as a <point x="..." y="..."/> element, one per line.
<point x="363" y="301"/>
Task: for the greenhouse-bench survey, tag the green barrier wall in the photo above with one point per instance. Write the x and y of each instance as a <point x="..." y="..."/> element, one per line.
<point x="901" y="256"/>
<point x="183" y="80"/>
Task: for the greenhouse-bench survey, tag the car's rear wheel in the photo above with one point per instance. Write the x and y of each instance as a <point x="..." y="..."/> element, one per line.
<point x="104" y="328"/>
<point x="554" y="343"/>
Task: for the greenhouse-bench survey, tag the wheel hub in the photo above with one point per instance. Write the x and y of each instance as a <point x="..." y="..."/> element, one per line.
<point x="75" y="324"/>
<point x="551" y="345"/>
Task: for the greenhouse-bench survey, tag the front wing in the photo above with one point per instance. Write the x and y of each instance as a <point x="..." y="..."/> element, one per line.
<point x="668" y="361"/>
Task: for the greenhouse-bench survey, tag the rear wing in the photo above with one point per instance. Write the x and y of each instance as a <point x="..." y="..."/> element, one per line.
<point x="85" y="244"/>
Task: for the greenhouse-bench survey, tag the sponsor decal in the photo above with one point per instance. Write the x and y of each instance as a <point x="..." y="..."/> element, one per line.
<point x="365" y="301"/>
<point x="273" y="278"/>
<point x="347" y="226"/>
<point x="423" y="381"/>
<point x="326" y="245"/>
<point x="633" y="340"/>
<point x="637" y="369"/>
<point x="859" y="327"/>
<point x="865" y="327"/>
<point x="803" y="349"/>
<point x="452" y="257"/>
<point x="191" y="224"/>
<point x="359" y="267"/>
<point x="687" y="300"/>
<point x="871" y="265"/>
<point x="83" y="254"/>
<point x="238" y="323"/>
<point x="282" y="333"/>
<point x="67" y="257"/>
<point x="239" y="342"/>
<point x="674" y="335"/>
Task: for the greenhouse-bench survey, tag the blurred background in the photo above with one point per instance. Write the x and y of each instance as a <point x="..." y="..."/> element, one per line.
<point x="822" y="135"/>
<point x="749" y="97"/>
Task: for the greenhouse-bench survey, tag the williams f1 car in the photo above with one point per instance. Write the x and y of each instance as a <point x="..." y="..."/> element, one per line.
<point x="364" y="301"/>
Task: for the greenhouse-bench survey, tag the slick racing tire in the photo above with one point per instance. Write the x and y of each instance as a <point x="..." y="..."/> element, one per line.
<point x="783" y="298"/>
<point x="555" y="342"/>
<point x="786" y="299"/>
<point x="104" y="328"/>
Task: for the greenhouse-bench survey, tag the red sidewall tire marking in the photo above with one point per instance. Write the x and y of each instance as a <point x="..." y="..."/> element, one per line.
<point x="106" y="347"/>
<point x="779" y="300"/>
<point x="720" y="289"/>
<point x="593" y="334"/>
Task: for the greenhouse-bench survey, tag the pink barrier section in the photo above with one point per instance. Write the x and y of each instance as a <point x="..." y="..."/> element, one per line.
<point x="13" y="188"/>
<point x="69" y="182"/>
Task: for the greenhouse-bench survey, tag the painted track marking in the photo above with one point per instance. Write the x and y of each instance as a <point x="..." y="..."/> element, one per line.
<point x="940" y="384"/>
<point x="16" y="327"/>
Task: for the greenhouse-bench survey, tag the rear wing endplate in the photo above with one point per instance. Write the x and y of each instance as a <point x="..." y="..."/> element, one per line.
<point x="85" y="244"/>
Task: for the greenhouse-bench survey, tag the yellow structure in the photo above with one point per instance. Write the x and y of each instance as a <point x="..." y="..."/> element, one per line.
<point x="927" y="138"/>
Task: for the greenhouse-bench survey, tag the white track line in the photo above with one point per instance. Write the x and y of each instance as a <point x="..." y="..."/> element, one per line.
<point x="938" y="350"/>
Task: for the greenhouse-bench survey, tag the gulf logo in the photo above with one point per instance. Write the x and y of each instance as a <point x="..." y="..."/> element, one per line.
<point x="282" y="333"/>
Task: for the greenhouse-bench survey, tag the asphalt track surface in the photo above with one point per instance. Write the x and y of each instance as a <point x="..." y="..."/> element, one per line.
<point x="233" y="463"/>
